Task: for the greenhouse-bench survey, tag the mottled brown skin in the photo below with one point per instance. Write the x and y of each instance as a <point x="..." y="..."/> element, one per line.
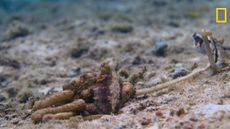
<point x="53" y="99"/>
<point x="91" y="94"/>
<point x="77" y="105"/>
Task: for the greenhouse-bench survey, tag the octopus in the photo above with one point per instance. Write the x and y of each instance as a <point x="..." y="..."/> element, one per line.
<point x="88" y="94"/>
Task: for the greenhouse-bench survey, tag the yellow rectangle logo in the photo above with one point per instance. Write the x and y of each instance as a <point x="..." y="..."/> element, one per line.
<point x="225" y="18"/>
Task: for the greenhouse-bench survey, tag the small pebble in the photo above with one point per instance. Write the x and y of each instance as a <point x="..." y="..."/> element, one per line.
<point x="138" y="60"/>
<point x="123" y="73"/>
<point x="121" y="28"/>
<point x="11" y="92"/>
<point x="160" y="48"/>
<point x="74" y="72"/>
<point x="193" y="118"/>
<point x="174" y="61"/>
<point x="168" y="99"/>
<point x="15" y="121"/>
<point x="159" y="114"/>
<point x="78" y="52"/>
<point x="174" y="24"/>
<point x="145" y="121"/>
<point x="180" y="112"/>
<point x="180" y="71"/>
<point x="2" y="98"/>
<point x="119" y="126"/>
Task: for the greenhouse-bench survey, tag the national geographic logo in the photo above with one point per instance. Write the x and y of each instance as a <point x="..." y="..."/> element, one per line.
<point x="221" y="15"/>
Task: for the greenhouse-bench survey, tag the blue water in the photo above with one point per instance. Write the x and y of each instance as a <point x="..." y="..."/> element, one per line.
<point x="17" y="5"/>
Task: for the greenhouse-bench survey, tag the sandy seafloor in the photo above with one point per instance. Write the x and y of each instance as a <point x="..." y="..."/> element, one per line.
<point x="45" y="44"/>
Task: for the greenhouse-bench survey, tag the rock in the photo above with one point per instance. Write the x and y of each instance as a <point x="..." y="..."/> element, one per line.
<point x="180" y="112"/>
<point x="145" y="121"/>
<point x="75" y="71"/>
<point x="11" y="92"/>
<point x="174" y="61"/>
<point x="210" y="110"/>
<point x="99" y="52"/>
<point x="15" y="121"/>
<point x="164" y="79"/>
<point x="168" y="98"/>
<point x="123" y="73"/>
<point x="3" y="81"/>
<point x="121" y="28"/>
<point x="138" y="60"/>
<point x="159" y="114"/>
<point x="97" y="32"/>
<point x="16" y="30"/>
<point x="174" y="24"/>
<point x="160" y="48"/>
<point x="78" y="52"/>
<point x="193" y="118"/>
<point x="180" y="71"/>
<point x="7" y="61"/>
<point x="2" y="98"/>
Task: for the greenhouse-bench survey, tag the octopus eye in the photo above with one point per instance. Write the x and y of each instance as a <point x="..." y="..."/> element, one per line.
<point x="197" y="39"/>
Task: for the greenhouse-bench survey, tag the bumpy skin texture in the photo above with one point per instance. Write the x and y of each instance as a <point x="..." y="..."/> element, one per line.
<point x="59" y="116"/>
<point x="53" y="99"/>
<point x="87" y="95"/>
<point x="101" y="95"/>
<point x="77" y="105"/>
<point x="107" y="94"/>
